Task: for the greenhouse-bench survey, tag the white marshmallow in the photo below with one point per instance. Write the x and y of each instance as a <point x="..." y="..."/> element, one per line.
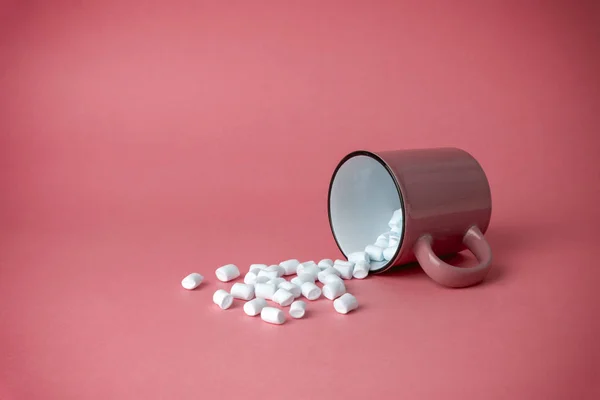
<point x="283" y="297"/>
<point x="242" y="291"/>
<point x="345" y="303"/>
<point x="382" y="243"/>
<point x="332" y="278"/>
<point x="298" y="309"/>
<point x="272" y="315"/>
<point x="289" y="266"/>
<point x="297" y="281"/>
<point x="310" y="291"/>
<point x="292" y="288"/>
<point x="358" y="256"/>
<point x="324" y="263"/>
<point x="396" y="229"/>
<point x="310" y="262"/>
<point x="327" y="271"/>
<point x="250" y="278"/>
<point x="308" y="267"/>
<point x="256" y="267"/>
<point x="279" y="270"/>
<point x="276" y="281"/>
<point x="394" y="241"/>
<point x="375" y="252"/>
<point x="222" y="299"/>
<point x="227" y="273"/>
<point x="389" y="252"/>
<point x="384" y="236"/>
<point x="375" y="265"/>
<point x="264" y="290"/>
<point x="345" y="268"/>
<point x="396" y="218"/>
<point x="383" y="240"/>
<point x="269" y="274"/>
<point x="313" y="270"/>
<point x="262" y="279"/>
<point x="302" y="277"/>
<point x="361" y="270"/>
<point x="254" y="307"/>
<point x="192" y="281"/>
<point x="334" y="290"/>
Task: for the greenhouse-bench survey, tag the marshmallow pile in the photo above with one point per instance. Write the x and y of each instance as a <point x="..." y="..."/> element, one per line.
<point x="385" y="247"/>
<point x="284" y="284"/>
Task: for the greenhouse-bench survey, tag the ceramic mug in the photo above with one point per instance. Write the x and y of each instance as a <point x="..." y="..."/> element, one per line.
<point x="445" y="200"/>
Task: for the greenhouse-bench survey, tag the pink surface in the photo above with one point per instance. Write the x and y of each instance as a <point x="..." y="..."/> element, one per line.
<point x="143" y="143"/>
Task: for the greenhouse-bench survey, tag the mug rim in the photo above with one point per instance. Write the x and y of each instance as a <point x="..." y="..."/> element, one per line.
<point x="389" y="170"/>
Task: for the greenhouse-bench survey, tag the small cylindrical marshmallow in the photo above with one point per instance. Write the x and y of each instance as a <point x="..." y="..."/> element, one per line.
<point x="276" y="281"/>
<point x="305" y="263"/>
<point x="342" y="262"/>
<point x="324" y="263"/>
<point x="327" y="271"/>
<point x="289" y="266"/>
<point x="292" y="288"/>
<point x="222" y="299"/>
<point x="389" y="252"/>
<point x="283" y="297"/>
<point x="383" y="243"/>
<point x="308" y="267"/>
<point x="361" y="270"/>
<point x="264" y="290"/>
<point x="250" y="278"/>
<point x="302" y="277"/>
<point x="394" y="241"/>
<point x="272" y="315"/>
<point x="262" y="279"/>
<point x="396" y="219"/>
<point x="393" y="235"/>
<point x="375" y="265"/>
<point x="254" y="307"/>
<point x="227" y="273"/>
<point x="279" y="270"/>
<point x="242" y="291"/>
<point x="298" y="309"/>
<point x="397" y="229"/>
<point x="375" y="252"/>
<point x="345" y="268"/>
<point x="311" y="269"/>
<point x="269" y="274"/>
<point x="297" y="281"/>
<point x="345" y="303"/>
<point x="332" y="278"/>
<point x="384" y="236"/>
<point x="383" y="240"/>
<point x="192" y="281"/>
<point x="358" y="256"/>
<point x="334" y="289"/>
<point x="310" y="291"/>
<point x="257" y="267"/>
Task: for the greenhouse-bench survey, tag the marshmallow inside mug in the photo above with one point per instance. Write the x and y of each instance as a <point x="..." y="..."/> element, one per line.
<point x="362" y="198"/>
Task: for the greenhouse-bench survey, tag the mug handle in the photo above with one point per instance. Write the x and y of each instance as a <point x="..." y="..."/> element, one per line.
<point x="451" y="276"/>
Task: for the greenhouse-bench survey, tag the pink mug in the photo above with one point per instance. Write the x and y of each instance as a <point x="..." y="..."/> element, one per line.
<point x="444" y="197"/>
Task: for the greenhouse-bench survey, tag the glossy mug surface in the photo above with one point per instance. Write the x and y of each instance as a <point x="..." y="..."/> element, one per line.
<point x="445" y="200"/>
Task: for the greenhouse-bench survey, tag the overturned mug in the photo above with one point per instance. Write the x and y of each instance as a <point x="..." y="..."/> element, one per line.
<point x="444" y="197"/>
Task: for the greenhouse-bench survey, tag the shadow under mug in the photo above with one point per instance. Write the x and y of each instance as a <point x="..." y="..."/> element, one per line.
<point x="445" y="200"/>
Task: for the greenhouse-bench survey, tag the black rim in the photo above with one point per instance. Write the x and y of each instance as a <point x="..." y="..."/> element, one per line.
<point x="398" y="189"/>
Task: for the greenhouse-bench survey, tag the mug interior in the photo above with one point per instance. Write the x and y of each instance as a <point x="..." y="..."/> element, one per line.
<point x="362" y="198"/>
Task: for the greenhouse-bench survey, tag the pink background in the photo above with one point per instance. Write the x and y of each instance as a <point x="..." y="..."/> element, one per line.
<point x="141" y="143"/>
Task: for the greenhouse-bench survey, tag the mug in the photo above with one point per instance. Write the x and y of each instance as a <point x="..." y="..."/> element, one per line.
<point x="445" y="201"/>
